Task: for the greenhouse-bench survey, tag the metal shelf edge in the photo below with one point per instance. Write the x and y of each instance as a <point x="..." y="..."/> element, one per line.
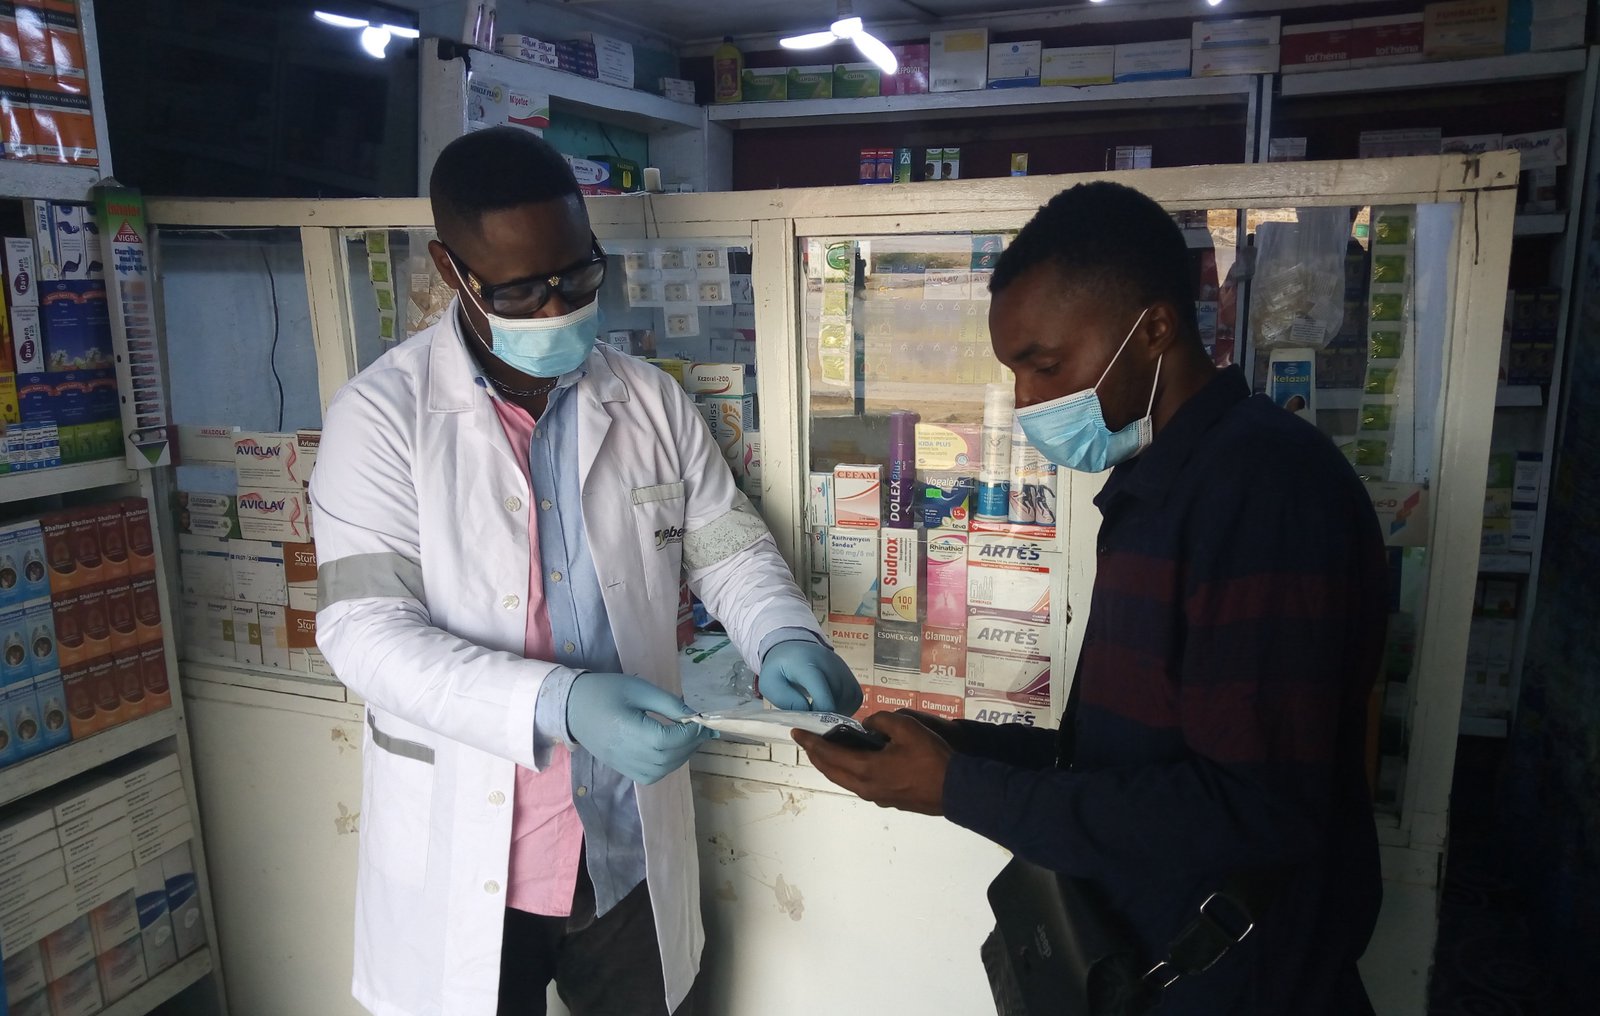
<point x="42" y="772"/>
<point x="1484" y="70"/>
<point x="64" y="479"/>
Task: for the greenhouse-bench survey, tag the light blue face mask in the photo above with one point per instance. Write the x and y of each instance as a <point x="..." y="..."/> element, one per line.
<point x="1071" y="431"/>
<point x="542" y="346"/>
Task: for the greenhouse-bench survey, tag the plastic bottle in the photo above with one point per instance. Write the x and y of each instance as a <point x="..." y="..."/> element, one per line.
<point x="994" y="477"/>
<point x="727" y="70"/>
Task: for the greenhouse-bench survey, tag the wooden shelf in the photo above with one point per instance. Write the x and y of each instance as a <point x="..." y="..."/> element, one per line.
<point x="162" y="987"/>
<point x="64" y="479"/>
<point x="1492" y="70"/>
<point x="1183" y="92"/>
<point x="43" y="180"/>
<point x="44" y="771"/>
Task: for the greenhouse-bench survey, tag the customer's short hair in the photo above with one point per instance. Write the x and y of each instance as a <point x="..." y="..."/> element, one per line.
<point x="1109" y="239"/>
<point x="491" y="170"/>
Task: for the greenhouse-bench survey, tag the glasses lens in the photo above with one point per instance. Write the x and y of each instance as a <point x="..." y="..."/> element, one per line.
<point x="582" y="283"/>
<point x="520" y="300"/>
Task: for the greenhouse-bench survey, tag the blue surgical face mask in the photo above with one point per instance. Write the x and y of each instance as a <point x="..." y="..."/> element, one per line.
<point x="1071" y="431"/>
<point x="542" y="346"/>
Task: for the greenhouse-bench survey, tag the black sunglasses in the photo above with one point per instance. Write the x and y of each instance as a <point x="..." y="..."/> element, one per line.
<point x="525" y="297"/>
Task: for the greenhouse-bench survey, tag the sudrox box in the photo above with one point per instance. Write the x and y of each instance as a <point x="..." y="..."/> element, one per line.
<point x="898" y="575"/>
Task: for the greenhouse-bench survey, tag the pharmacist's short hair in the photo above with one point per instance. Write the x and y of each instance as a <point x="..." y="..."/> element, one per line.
<point x="494" y="169"/>
<point x="1109" y="239"/>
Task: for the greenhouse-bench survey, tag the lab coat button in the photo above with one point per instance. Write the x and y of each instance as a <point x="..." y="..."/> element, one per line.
<point x="513" y="504"/>
<point x="583" y="791"/>
<point x="491" y="887"/>
<point x="510" y="602"/>
<point x="546" y="504"/>
<point x="496" y="798"/>
<point x="555" y="576"/>
<point x="569" y="648"/>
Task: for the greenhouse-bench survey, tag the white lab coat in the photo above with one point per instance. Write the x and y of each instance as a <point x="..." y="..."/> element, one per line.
<point x="422" y="538"/>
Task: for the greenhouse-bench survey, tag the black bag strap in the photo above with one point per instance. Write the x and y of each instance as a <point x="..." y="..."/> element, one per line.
<point x="1224" y="920"/>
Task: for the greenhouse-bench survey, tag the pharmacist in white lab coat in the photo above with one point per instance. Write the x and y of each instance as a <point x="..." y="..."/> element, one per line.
<point x="503" y="514"/>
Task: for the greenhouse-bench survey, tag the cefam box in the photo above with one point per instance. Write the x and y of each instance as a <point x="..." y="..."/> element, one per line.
<point x="1008" y="575"/>
<point x="896" y="662"/>
<point x="853" y="572"/>
<point x="942" y="680"/>
<point x="857" y="496"/>
<point x="281" y="516"/>
<point x="898" y="575"/>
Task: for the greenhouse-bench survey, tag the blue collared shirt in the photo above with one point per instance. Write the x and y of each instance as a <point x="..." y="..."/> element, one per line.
<point x="581" y="640"/>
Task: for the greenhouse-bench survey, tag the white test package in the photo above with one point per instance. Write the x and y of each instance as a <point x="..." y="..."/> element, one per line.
<point x="772" y="726"/>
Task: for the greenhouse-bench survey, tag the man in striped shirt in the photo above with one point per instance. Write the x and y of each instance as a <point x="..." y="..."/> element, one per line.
<point x="1217" y="717"/>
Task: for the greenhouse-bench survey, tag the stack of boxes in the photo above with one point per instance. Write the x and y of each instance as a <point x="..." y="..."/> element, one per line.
<point x="1529" y="346"/>
<point x="726" y="396"/>
<point x="1491" y="645"/>
<point x="1511" y="502"/>
<point x="97" y="888"/>
<point x="82" y="630"/>
<point x="248" y="561"/>
<point x="57" y="371"/>
<point x="934" y="606"/>
<point x="45" y="112"/>
<point x="1243" y="46"/>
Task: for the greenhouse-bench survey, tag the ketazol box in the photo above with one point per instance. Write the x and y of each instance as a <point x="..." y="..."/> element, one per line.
<point x="720" y="379"/>
<point x="898" y="576"/>
<point x="853" y="572"/>
<point x="857" y="496"/>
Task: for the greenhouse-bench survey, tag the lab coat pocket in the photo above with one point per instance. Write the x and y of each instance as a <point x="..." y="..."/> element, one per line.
<point x="396" y="812"/>
<point x="658" y="516"/>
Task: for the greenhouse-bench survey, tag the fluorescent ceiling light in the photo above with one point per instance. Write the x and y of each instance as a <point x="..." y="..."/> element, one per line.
<point x="847" y="27"/>
<point x="374" y="38"/>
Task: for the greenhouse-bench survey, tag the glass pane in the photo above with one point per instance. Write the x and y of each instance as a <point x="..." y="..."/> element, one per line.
<point x="685" y="300"/>
<point x="1349" y="318"/>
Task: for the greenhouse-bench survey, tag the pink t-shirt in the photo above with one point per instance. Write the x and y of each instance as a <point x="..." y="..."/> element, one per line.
<point x="546" y="833"/>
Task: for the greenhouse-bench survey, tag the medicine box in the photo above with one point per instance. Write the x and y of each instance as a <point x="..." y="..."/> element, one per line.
<point x="853" y="572"/>
<point x="182" y="898"/>
<point x="274" y="515"/>
<point x="811" y="82"/>
<point x="1152" y="61"/>
<point x="898" y="576"/>
<point x="1323" y="46"/>
<point x="1009" y="576"/>
<point x="857" y="496"/>
<point x="1078" y="65"/>
<point x="1461" y="29"/>
<point x="857" y="81"/>
<point x="1240" y="33"/>
<point x="958" y="61"/>
<point x="720" y="379"/>
<point x="765" y="84"/>
<point x="1391" y="39"/>
<point x="896" y="664"/>
<point x="269" y="460"/>
<point x="941" y="684"/>
<point x="1015" y="64"/>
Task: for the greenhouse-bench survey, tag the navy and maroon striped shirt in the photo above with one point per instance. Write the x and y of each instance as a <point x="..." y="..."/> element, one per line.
<point x="1236" y="627"/>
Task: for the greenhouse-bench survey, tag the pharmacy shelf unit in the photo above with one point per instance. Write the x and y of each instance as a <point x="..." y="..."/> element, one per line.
<point x="682" y="142"/>
<point x="1578" y="71"/>
<point x="167" y="728"/>
<point x="1188" y="92"/>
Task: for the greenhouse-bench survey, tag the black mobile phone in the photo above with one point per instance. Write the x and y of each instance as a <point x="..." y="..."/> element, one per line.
<point x="853" y="735"/>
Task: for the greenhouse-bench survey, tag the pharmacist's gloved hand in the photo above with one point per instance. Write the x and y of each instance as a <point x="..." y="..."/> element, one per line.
<point x="609" y="714"/>
<point x="802" y="674"/>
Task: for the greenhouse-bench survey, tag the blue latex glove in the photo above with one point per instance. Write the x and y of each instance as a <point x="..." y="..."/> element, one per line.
<point x="802" y="674"/>
<point x="608" y="714"/>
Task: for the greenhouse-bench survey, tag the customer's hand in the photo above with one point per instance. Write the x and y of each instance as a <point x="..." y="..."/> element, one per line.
<point x="802" y="674"/>
<point x="609" y="714"/>
<point x="907" y="773"/>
